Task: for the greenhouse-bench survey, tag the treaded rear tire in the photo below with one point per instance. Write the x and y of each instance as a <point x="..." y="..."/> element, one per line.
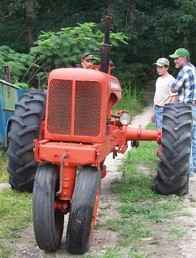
<point x="172" y="175"/>
<point x="82" y="207"/>
<point x="24" y="128"/>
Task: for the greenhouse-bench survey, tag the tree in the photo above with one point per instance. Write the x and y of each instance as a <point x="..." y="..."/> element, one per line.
<point x="55" y="49"/>
<point x="29" y="16"/>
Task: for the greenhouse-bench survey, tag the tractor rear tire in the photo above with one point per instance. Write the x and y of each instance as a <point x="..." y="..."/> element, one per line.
<point x="174" y="153"/>
<point x="24" y="128"/>
<point x="47" y="221"/>
<point x="82" y="207"/>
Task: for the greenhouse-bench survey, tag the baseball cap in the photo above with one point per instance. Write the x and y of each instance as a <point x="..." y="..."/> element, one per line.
<point x="162" y="62"/>
<point x="180" y="52"/>
<point x="88" y="56"/>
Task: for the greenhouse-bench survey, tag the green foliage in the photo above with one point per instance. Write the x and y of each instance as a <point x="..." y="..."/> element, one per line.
<point x="18" y="63"/>
<point x="65" y="47"/>
<point x="132" y="98"/>
<point x="3" y="167"/>
<point x="135" y="72"/>
<point x="22" y="85"/>
<point x="154" y="29"/>
<point x="55" y="49"/>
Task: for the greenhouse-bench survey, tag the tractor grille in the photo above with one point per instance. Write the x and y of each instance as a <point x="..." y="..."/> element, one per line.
<point x="86" y="117"/>
<point x="87" y="113"/>
<point x="59" y="107"/>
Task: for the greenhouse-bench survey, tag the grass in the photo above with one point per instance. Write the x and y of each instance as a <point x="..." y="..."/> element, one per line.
<point x="15" y="215"/>
<point x="140" y="207"/>
<point x="3" y="165"/>
<point x="132" y="100"/>
<point x="176" y="232"/>
<point x="117" y="253"/>
<point x="15" y="212"/>
<point x="108" y="253"/>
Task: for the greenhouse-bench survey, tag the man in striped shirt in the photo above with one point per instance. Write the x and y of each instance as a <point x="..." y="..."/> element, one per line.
<point x="184" y="89"/>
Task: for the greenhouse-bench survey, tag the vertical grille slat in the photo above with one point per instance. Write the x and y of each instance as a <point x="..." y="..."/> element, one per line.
<point x="59" y="107"/>
<point x="87" y="110"/>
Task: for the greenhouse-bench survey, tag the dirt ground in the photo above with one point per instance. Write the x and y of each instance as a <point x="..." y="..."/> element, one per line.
<point x="165" y="246"/>
<point x="159" y="247"/>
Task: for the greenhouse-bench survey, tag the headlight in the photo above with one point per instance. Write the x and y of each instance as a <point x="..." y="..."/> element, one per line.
<point x="125" y="118"/>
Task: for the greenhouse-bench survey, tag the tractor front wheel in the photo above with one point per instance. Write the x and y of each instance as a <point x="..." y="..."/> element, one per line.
<point x="83" y="207"/>
<point x="48" y="222"/>
<point x="174" y="153"/>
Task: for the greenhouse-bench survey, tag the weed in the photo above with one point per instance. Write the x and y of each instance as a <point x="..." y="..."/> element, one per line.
<point x="3" y="165"/>
<point x="132" y="99"/>
<point x="15" y="214"/>
<point x="176" y="232"/>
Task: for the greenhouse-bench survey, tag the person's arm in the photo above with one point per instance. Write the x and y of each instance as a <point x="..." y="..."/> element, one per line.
<point x="173" y="98"/>
<point x="178" y="83"/>
<point x="176" y="86"/>
<point x="172" y="95"/>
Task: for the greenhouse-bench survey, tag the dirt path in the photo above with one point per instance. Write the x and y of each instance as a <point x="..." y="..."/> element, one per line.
<point x="102" y="239"/>
<point x="188" y="244"/>
<point x="183" y="243"/>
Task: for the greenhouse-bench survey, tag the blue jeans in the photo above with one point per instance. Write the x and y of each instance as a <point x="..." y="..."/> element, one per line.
<point x="158" y="111"/>
<point x="193" y="143"/>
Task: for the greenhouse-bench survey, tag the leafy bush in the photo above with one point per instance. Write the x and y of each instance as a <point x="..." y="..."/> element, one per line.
<point x="18" y="62"/>
<point x="53" y="50"/>
<point x="65" y="47"/>
<point x="137" y="73"/>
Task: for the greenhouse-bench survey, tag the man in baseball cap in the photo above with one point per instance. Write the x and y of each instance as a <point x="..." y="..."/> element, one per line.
<point x="185" y="89"/>
<point x="87" y="60"/>
<point x="185" y="77"/>
<point x="180" y="52"/>
<point x="162" y="89"/>
<point x="162" y="62"/>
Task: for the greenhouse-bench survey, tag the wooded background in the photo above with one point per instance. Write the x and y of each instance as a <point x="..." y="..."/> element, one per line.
<point x="154" y="28"/>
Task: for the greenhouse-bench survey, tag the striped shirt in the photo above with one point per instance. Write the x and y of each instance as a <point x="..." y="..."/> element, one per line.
<point x="185" y="84"/>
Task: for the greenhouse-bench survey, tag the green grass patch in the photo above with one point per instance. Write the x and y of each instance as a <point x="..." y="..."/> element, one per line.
<point x="5" y="251"/>
<point x="15" y="215"/>
<point x="107" y="253"/>
<point x="176" y="232"/>
<point x="117" y="253"/>
<point x="3" y="167"/>
<point x="132" y="100"/>
<point x="140" y="207"/>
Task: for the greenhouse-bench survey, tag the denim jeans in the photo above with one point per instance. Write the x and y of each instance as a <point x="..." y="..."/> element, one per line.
<point x="158" y="111"/>
<point x="193" y="143"/>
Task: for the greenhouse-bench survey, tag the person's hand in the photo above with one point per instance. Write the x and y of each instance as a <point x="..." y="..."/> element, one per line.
<point x="152" y="118"/>
<point x="173" y="99"/>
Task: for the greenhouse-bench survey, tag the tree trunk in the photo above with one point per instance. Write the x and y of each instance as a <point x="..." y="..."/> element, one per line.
<point x="29" y="15"/>
<point x="130" y="19"/>
<point x="109" y="7"/>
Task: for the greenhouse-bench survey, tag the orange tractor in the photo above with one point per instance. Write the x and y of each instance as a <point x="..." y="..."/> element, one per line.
<point x="60" y="144"/>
